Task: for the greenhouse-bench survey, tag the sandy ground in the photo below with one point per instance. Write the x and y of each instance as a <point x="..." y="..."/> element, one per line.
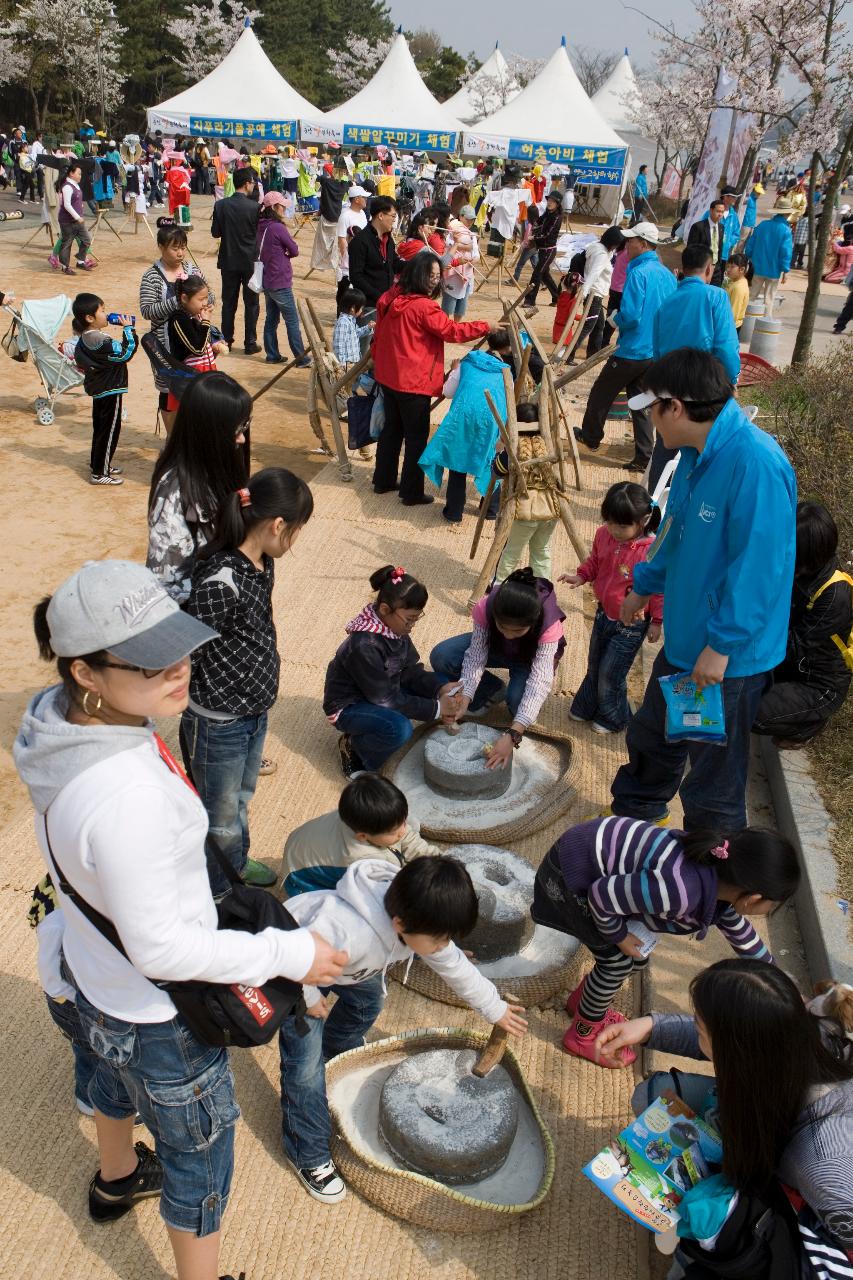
<point x="54" y="520"/>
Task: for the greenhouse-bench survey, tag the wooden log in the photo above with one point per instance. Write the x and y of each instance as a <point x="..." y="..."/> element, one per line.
<point x="580" y="369"/>
<point x="314" y="416"/>
<point x="321" y="332"/>
<point x="503" y="525"/>
<point x="571" y="528"/>
<point x="508" y="444"/>
<point x="265" y="388"/>
<point x="481" y="518"/>
<point x="325" y="385"/>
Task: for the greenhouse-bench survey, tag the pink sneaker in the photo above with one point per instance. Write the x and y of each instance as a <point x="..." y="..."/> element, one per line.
<point x="574" y="998"/>
<point x="54" y="262"/>
<point x="580" y="1039"/>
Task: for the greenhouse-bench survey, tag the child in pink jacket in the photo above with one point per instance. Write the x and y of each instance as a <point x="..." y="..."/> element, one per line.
<point x="630" y="518"/>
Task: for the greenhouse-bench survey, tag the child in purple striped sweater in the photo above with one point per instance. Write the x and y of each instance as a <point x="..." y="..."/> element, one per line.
<point x="604" y="876"/>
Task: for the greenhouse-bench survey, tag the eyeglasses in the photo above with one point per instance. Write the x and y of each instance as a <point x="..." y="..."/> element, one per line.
<point x="410" y="622"/>
<point x="145" y="671"/>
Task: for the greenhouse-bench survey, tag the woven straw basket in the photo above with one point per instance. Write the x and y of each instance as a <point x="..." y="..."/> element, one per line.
<point x="411" y="1196"/>
<point x="532" y="990"/>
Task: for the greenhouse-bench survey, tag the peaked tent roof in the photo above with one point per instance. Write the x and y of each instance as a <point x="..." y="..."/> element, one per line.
<point x="470" y="108"/>
<point x="613" y="98"/>
<point x="553" y="107"/>
<point x="244" y="87"/>
<point x="396" y="98"/>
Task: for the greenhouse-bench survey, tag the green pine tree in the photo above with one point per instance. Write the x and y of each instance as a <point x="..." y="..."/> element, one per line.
<point x="296" y="34"/>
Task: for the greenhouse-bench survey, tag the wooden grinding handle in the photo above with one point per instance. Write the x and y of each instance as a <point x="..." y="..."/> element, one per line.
<point x="493" y="1052"/>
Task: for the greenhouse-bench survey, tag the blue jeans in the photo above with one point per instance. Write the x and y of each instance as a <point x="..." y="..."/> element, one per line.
<point x="603" y="695"/>
<point x="281" y="302"/>
<point x="528" y="254"/>
<point x="223" y="758"/>
<point x="714" y="792"/>
<point x="64" y="1014"/>
<point x="454" y="307"/>
<point x="375" y="732"/>
<point x="184" y="1091"/>
<point x="449" y="655"/>
<point x="305" y="1124"/>
<point x="308" y="879"/>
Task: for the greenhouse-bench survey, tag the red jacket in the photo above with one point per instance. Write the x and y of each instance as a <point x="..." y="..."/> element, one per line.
<point x="408" y="344"/>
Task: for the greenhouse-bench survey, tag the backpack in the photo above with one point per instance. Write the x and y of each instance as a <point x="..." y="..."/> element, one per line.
<point x="845" y="645"/>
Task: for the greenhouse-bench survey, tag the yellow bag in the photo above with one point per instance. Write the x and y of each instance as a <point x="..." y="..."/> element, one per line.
<point x="846" y="646"/>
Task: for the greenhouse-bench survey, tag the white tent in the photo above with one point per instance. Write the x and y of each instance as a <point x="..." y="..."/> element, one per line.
<point x="394" y="109"/>
<point x="554" y="121"/>
<point x="244" y="97"/>
<point x="619" y="91"/>
<point x="496" y="80"/>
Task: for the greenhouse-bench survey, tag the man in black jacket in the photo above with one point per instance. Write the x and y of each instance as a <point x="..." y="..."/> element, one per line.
<point x="709" y="232"/>
<point x="373" y="261"/>
<point x="235" y="226"/>
<point x="545" y="236"/>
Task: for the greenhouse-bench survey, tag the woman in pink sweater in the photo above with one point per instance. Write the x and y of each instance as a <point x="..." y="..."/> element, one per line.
<point x="630" y="518"/>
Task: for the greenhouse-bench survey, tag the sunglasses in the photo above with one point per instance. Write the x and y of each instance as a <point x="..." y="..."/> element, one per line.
<point x="147" y="672"/>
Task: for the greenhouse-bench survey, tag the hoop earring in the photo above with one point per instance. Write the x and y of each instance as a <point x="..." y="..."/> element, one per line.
<point x="86" y="711"/>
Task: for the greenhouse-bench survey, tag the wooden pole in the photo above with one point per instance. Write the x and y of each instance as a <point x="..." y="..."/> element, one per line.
<point x="314" y="416"/>
<point x="580" y="369"/>
<point x="321" y="332"/>
<point x="315" y="341"/>
<point x="286" y="369"/>
<point x="481" y="518"/>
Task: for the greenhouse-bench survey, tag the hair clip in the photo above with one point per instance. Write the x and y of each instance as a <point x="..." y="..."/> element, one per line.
<point x="653" y="506"/>
<point x="398" y="575"/>
<point x="245" y="497"/>
<point x="721" y="851"/>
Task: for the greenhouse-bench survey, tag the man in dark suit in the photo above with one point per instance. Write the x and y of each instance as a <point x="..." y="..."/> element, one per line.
<point x="235" y="225"/>
<point x="709" y="233"/>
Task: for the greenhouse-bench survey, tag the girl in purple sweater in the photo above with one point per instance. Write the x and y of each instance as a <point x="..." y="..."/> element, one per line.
<point x="612" y="881"/>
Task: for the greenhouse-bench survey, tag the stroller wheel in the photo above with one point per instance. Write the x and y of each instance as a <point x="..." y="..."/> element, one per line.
<point x="40" y="403"/>
<point x="45" y="416"/>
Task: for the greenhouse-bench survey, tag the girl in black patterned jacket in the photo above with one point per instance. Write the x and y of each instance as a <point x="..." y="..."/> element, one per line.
<point x="234" y="685"/>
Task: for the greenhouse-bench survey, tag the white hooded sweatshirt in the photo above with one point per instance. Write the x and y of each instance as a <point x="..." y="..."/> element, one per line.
<point x="353" y="918"/>
<point x="129" y="836"/>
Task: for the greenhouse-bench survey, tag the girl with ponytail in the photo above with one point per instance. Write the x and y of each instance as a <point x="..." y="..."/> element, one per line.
<point x="235" y="683"/>
<point x="613" y="883"/>
<point x="518" y="627"/>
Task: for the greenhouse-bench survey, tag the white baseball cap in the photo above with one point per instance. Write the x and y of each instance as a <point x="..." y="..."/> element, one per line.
<point x="354" y="192"/>
<point x="121" y="607"/>
<point x="644" y="398"/>
<point x="642" y="231"/>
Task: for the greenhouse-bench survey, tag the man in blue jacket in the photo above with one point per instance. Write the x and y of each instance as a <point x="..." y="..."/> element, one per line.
<point x="769" y="249"/>
<point x="647" y="283"/>
<point x="696" y="315"/>
<point x="724" y="561"/>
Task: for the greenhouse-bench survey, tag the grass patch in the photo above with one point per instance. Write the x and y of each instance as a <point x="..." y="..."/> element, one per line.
<point x="810" y="411"/>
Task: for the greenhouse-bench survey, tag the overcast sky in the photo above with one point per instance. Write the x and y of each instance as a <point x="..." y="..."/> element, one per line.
<point x="534" y="27"/>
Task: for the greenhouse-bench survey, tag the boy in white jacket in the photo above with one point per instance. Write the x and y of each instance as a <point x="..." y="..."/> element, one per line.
<point x="379" y="916"/>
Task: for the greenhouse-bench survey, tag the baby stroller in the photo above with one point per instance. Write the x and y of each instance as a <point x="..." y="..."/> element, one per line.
<point x="33" y="332"/>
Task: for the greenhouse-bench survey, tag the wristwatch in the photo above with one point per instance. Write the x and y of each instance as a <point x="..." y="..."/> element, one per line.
<point x="516" y="738"/>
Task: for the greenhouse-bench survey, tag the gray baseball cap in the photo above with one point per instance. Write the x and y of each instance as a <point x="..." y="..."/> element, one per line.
<point x="121" y="607"/>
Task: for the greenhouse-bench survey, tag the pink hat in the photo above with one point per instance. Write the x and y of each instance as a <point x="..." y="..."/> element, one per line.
<point x="271" y="199"/>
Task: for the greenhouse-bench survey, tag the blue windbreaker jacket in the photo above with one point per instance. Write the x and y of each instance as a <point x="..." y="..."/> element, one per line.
<point x="770" y="246"/>
<point x="724" y="556"/>
<point x="466" y="439"/>
<point x="647" y="283"/>
<point x="698" y="315"/>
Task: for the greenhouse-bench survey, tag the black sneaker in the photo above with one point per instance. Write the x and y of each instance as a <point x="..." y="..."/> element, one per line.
<point x="323" y="1183"/>
<point x="105" y="1205"/>
<point x="350" y="763"/>
<point x="251" y="348"/>
<point x="636" y="466"/>
<point x="579" y="436"/>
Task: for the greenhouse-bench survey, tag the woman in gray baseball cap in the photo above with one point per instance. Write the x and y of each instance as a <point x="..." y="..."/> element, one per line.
<point x="117" y="814"/>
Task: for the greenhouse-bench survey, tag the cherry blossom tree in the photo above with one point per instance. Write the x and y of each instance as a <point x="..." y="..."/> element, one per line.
<point x="358" y="59"/>
<point x="208" y="31"/>
<point x="593" y="66"/>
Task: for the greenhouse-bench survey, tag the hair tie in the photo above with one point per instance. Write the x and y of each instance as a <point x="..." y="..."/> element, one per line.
<point x="245" y="497"/>
<point x="398" y="575"/>
<point x="653" y="506"/>
<point x="721" y="851"/>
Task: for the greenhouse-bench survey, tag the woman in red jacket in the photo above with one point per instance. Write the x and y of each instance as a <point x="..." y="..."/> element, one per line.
<point x="408" y="358"/>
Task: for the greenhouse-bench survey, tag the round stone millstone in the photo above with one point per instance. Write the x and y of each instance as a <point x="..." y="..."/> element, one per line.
<point x="438" y="1119"/>
<point x="504" y="924"/>
<point x="456" y="766"/>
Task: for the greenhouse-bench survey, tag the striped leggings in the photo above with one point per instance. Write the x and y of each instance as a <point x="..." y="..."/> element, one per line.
<point x="611" y="969"/>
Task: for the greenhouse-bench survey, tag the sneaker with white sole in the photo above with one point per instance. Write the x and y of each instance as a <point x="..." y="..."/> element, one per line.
<point x="600" y="728"/>
<point x="110" y="479"/>
<point x="323" y="1183"/>
<point x="579" y="719"/>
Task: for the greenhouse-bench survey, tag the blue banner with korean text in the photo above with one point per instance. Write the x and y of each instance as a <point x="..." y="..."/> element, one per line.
<point x="603" y="166"/>
<point x="356" y="135"/>
<point x="224" y="127"/>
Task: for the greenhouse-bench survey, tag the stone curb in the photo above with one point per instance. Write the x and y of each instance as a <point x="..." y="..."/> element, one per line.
<point x="802" y="817"/>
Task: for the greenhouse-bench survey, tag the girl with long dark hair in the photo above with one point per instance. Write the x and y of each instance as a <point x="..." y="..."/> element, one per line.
<point x="518" y="627"/>
<point x="784" y="1094"/>
<point x="235" y="682"/>
<point x="204" y="460"/>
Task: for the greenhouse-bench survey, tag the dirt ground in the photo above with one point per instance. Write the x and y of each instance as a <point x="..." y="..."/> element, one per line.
<point x="52" y="520"/>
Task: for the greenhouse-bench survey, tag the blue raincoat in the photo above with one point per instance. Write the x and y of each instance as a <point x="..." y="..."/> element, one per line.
<point x="770" y="247"/>
<point x="466" y="439"/>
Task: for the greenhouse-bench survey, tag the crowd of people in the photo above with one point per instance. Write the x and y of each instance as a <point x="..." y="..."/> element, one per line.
<point x="147" y="856"/>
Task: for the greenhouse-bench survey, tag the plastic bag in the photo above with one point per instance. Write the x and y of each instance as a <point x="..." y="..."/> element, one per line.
<point x="377" y="417"/>
<point x="693" y="715"/>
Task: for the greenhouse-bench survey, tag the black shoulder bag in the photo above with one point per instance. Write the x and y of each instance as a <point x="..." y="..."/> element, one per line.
<point x="231" y="1015"/>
